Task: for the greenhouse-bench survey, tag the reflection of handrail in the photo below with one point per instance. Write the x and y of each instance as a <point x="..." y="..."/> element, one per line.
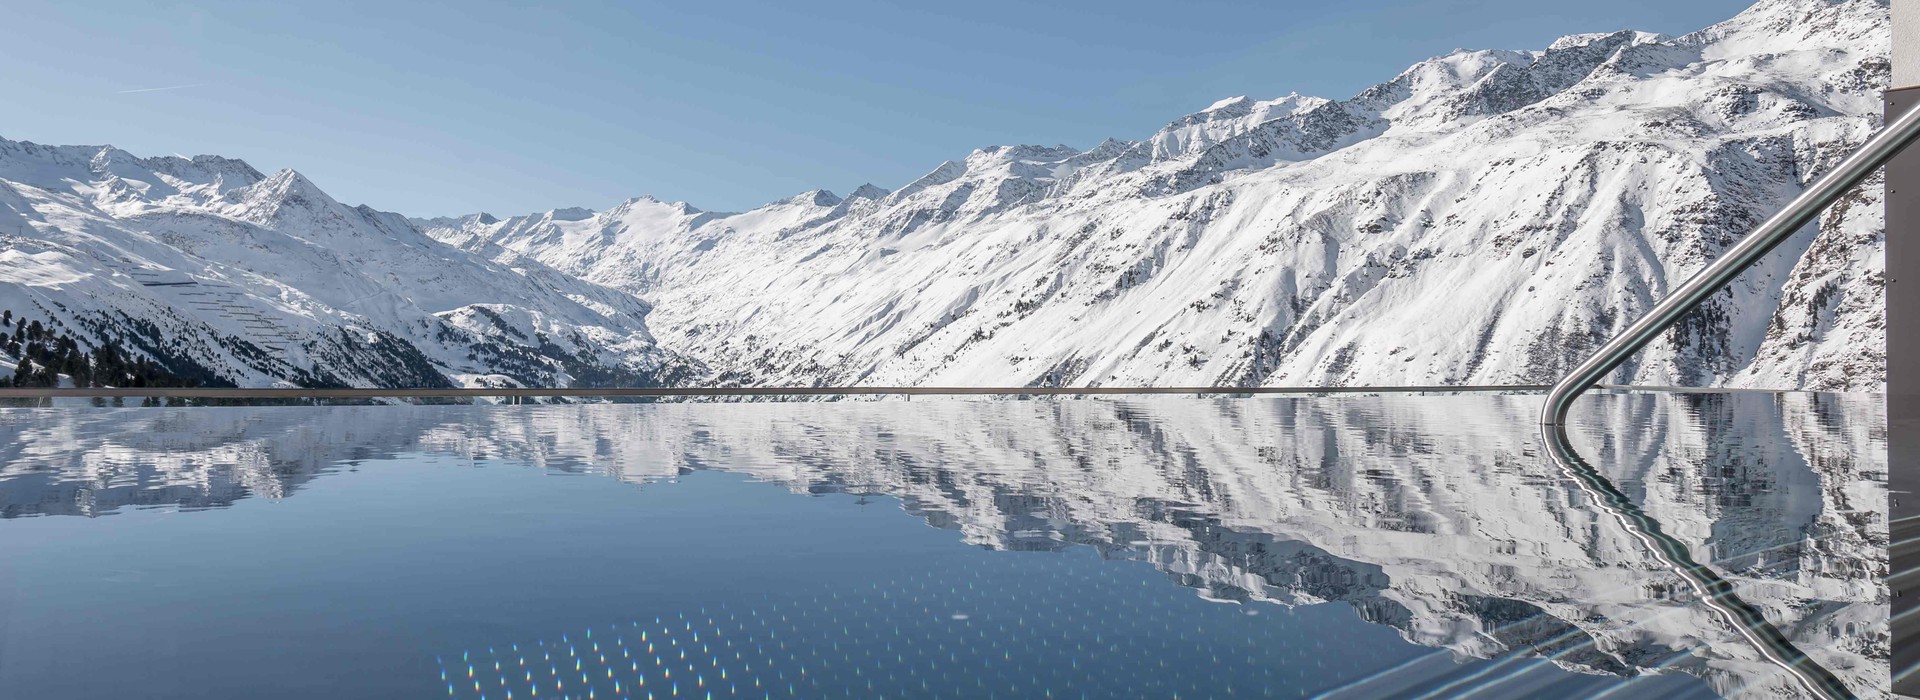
<point x="1714" y="591"/>
<point x="1799" y="212"/>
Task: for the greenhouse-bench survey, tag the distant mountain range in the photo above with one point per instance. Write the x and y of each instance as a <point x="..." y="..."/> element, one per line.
<point x="215" y="269"/>
<point x="1484" y="217"/>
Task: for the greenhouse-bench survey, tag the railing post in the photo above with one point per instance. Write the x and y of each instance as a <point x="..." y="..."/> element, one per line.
<point x="1903" y="354"/>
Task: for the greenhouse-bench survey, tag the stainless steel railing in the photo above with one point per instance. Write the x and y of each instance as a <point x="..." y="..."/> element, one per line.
<point x="1803" y="209"/>
<point x="1714" y="590"/>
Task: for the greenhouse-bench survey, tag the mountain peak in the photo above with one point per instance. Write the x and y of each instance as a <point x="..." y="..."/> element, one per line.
<point x="109" y="154"/>
<point x="817" y="197"/>
<point x="288" y="202"/>
<point x="1025" y="151"/>
<point x="867" y="191"/>
<point x="1777" y="26"/>
<point x="647" y="200"/>
<point x="1626" y="36"/>
<point x="287" y="177"/>
<point x="1234" y="101"/>
<point x="286" y="187"/>
<point x="577" y="213"/>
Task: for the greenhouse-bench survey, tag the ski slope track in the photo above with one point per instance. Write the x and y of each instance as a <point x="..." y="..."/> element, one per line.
<point x="1485" y="217"/>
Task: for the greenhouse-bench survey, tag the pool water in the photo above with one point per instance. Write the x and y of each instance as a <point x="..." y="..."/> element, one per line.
<point x="1397" y="546"/>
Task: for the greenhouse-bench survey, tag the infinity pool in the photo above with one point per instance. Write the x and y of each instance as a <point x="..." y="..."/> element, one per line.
<point x="1363" y="547"/>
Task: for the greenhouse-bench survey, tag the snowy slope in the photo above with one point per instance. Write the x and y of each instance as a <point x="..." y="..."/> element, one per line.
<point x="1484" y="217"/>
<point x="215" y="269"/>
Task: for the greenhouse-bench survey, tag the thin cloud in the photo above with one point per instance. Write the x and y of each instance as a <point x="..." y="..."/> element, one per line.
<point x="157" y="89"/>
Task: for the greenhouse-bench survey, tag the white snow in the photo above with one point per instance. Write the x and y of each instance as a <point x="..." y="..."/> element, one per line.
<point x="1485" y="217"/>
<point x="266" y="279"/>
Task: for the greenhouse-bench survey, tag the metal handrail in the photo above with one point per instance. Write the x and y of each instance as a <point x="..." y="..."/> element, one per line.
<point x="1799" y="212"/>
<point x="1713" y="589"/>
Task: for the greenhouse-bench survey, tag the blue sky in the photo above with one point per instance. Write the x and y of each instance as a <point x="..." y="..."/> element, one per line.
<point x="434" y="109"/>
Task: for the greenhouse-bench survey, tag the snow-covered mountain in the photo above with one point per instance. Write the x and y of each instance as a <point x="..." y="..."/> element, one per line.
<point x="221" y="272"/>
<point x="1484" y="217"/>
<point x="1436" y="516"/>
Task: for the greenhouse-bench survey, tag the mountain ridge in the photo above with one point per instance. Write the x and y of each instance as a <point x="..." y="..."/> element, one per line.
<point x="1483" y="217"/>
<point x="214" y="269"/>
<point x="1509" y="210"/>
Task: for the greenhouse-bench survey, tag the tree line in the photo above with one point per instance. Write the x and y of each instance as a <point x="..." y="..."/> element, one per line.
<point x="44" y="354"/>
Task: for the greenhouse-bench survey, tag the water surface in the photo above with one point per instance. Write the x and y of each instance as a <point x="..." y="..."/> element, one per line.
<point x="1412" y="546"/>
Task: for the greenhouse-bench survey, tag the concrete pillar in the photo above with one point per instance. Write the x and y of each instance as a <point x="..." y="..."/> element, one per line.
<point x="1903" y="353"/>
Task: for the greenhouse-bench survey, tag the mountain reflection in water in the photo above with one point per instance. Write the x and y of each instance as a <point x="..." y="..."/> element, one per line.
<point x="1436" y="516"/>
